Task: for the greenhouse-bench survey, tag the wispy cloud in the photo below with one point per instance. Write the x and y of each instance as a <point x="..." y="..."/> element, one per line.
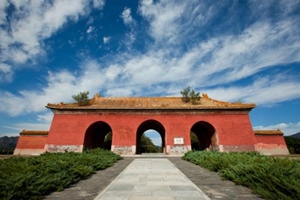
<point x="5" y="73"/>
<point x="90" y="29"/>
<point x="126" y="16"/>
<point x="131" y="23"/>
<point x="106" y="40"/>
<point x="163" y="18"/>
<point x="184" y="49"/>
<point x="262" y="91"/>
<point x="22" y="36"/>
<point x="61" y="86"/>
<point x="3" y="6"/>
<point x="286" y="128"/>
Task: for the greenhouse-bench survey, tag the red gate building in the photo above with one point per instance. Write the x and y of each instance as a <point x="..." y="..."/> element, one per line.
<point x="219" y="126"/>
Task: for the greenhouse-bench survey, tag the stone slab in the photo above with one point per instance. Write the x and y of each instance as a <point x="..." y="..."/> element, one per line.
<point x="163" y="181"/>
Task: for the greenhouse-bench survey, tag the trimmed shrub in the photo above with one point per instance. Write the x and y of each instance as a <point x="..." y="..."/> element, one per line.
<point x="272" y="178"/>
<point x="35" y="177"/>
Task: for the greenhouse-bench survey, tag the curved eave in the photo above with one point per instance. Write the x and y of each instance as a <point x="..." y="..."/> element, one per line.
<point x="268" y="132"/>
<point x="34" y="132"/>
<point x="86" y="108"/>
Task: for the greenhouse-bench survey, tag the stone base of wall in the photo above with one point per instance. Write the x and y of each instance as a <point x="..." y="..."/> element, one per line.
<point x="124" y="150"/>
<point x="236" y="148"/>
<point x="29" y="152"/>
<point x="171" y="150"/>
<point x="52" y="148"/>
<point x="178" y="149"/>
<point x="272" y="149"/>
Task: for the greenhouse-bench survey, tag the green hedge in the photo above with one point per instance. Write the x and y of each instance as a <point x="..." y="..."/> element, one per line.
<point x="272" y="178"/>
<point x="34" y="177"/>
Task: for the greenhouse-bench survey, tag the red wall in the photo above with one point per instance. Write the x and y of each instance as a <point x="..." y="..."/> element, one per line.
<point x="271" y="144"/>
<point x="270" y="139"/>
<point x="232" y="129"/>
<point x="31" y="142"/>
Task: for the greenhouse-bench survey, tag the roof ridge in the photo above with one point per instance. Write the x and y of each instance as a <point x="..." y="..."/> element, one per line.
<point x="268" y="132"/>
<point x="157" y="102"/>
<point x="34" y="132"/>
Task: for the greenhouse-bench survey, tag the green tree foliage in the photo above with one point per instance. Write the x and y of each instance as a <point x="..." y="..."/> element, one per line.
<point x="147" y="145"/>
<point x="108" y="141"/>
<point x="82" y="98"/>
<point x="195" y="96"/>
<point x="194" y="141"/>
<point x="186" y="94"/>
<point x="189" y="95"/>
<point x="272" y="178"/>
<point x="6" y="151"/>
<point x="293" y="144"/>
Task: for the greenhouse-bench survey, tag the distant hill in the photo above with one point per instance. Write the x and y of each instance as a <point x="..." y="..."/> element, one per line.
<point x="8" y="142"/>
<point x="296" y="135"/>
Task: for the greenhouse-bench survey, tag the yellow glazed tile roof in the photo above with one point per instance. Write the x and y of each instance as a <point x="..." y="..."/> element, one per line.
<point x="34" y="132"/>
<point x="268" y="132"/>
<point x="98" y="102"/>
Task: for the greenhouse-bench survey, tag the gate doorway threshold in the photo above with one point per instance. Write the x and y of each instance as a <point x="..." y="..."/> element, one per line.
<point x="153" y="155"/>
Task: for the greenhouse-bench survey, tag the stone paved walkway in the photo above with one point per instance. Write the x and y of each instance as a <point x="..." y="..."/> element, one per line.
<point x="88" y="189"/>
<point x="152" y="178"/>
<point x="100" y="185"/>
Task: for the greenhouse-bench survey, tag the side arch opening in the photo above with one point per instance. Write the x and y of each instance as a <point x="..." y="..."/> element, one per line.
<point x="203" y="136"/>
<point x="142" y="141"/>
<point x="98" y="135"/>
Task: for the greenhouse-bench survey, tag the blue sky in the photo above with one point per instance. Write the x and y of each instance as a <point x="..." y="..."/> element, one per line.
<point x="233" y="50"/>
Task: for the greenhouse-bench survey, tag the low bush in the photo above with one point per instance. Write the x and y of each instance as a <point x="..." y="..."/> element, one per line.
<point x="272" y="178"/>
<point x="35" y="177"/>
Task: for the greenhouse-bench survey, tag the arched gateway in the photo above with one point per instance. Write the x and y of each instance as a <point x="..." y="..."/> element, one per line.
<point x="205" y="134"/>
<point x="146" y="125"/>
<point x="217" y="125"/>
<point x="95" y="136"/>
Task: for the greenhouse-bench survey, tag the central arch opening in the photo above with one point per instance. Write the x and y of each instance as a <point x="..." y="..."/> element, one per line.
<point x="202" y="136"/>
<point x="150" y="129"/>
<point x="98" y="135"/>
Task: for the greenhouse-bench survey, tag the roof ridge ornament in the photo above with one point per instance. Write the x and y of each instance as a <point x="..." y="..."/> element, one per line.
<point x="97" y="96"/>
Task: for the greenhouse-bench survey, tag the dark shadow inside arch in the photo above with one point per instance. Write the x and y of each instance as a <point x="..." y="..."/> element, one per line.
<point x="148" y="125"/>
<point x="201" y="135"/>
<point x="98" y="135"/>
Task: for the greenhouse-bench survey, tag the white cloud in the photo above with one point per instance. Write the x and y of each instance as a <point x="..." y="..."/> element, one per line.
<point x="286" y="128"/>
<point x="172" y="23"/>
<point x="61" y="86"/>
<point x="5" y="73"/>
<point x="162" y="17"/>
<point x="106" y="40"/>
<point x="43" y="122"/>
<point x="126" y="16"/>
<point x="131" y="23"/>
<point x="265" y="91"/>
<point x="32" y="22"/>
<point x="90" y="29"/>
<point x="98" y="3"/>
<point x="221" y="59"/>
<point x="161" y="69"/>
<point x="18" y="127"/>
<point x="119" y="92"/>
<point x="3" y="6"/>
